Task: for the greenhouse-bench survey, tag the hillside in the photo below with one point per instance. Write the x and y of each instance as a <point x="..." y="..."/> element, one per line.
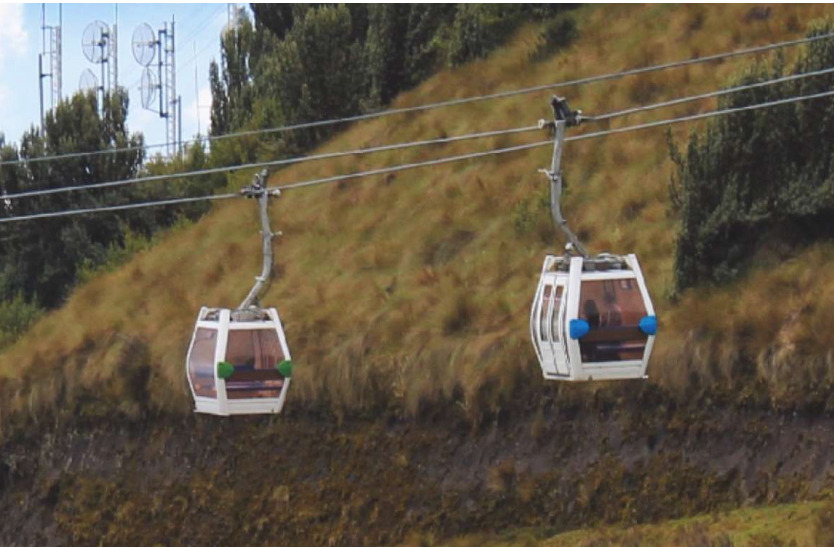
<point x="415" y="288"/>
<point x="407" y="298"/>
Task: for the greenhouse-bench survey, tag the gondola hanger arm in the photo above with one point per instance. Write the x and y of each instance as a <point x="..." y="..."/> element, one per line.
<point x="258" y="190"/>
<point x="563" y="117"/>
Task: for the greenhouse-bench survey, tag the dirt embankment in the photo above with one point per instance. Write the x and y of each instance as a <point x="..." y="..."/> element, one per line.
<point x="302" y="479"/>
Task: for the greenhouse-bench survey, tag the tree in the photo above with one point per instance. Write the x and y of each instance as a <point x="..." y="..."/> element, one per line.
<point x="231" y="82"/>
<point x="756" y="179"/>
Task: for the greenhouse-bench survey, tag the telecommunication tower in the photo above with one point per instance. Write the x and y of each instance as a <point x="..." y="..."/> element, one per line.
<point x="49" y="61"/>
<point x="148" y="45"/>
<point x="98" y="43"/>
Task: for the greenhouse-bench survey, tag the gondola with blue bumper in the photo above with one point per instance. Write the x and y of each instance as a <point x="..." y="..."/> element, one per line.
<point x="592" y="317"/>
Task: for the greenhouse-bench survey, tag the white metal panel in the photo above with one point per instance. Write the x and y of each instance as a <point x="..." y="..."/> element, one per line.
<point x="220" y="355"/>
<point x="534" y="314"/>
<point x="644" y="291"/>
<point x="616" y="370"/>
<point x="205" y="405"/>
<point x="562" y="324"/>
<point x="240" y="406"/>
<point x="557" y="345"/>
<point x="256" y="406"/>
<point x="252" y="325"/>
<point x="279" y="327"/>
<point x="544" y="306"/>
<point x="607" y="274"/>
<point x="572" y="312"/>
<point x="273" y="313"/>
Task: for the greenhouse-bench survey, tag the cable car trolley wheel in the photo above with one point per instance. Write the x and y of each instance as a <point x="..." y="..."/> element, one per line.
<point x="238" y="361"/>
<point x="592" y="318"/>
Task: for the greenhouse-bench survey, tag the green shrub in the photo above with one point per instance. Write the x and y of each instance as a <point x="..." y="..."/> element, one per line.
<point x="557" y="34"/>
<point x="757" y="180"/>
<point x="16" y="315"/>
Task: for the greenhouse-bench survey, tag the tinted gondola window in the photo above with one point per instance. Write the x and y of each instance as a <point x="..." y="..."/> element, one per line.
<point x="613" y="309"/>
<point x="557" y="303"/>
<point x="254" y="354"/>
<point x="201" y="363"/>
<point x="545" y="306"/>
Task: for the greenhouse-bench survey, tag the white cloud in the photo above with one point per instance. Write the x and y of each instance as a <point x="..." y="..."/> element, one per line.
<point x="13" y="36"/>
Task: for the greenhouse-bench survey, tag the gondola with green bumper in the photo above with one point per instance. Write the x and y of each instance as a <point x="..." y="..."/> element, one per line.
<point x="238" y="361"/>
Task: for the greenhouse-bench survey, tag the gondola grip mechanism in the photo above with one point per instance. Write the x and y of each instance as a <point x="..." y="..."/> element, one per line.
<point x="563" y="117"/>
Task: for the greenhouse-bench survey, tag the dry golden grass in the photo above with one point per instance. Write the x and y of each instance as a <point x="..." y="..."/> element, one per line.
<point x="415" y="287"/>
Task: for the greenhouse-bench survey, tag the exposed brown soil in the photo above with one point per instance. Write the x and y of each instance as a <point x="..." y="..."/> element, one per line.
<point x="304" y="479"/>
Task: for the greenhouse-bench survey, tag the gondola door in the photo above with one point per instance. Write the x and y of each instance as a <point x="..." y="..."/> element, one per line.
<point x="550" y="336"/>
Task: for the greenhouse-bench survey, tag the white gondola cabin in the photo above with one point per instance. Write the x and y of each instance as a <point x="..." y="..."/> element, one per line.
<point x="238" y="362"/>
<point x="592" y="319"/>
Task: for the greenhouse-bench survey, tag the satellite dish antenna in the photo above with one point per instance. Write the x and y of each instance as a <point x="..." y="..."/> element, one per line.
<point x="144" y="44"/>
<point x="87" y="81"/>
<point x="148" y="88"/>
<point x="94" y="40"/>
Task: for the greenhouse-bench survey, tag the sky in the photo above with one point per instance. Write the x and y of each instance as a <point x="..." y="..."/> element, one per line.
<point x="198" y="28"/>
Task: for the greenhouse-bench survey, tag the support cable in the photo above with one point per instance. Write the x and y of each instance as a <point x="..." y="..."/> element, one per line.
<point x="701" y="116"/>
<point x="453" y="102"/>
<point x="400" y="146"/>
<point x="709" y="95"/>
<point x="337" y="178"/>
<point x="273" y="163"/>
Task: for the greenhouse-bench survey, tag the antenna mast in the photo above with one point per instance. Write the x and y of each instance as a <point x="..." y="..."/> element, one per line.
<point x="50" y="56"/>
<point x="98" y="46"/>
<point x="168" y="79"/>
<point x="161" y="46"/>
<point x="114" y="48"/>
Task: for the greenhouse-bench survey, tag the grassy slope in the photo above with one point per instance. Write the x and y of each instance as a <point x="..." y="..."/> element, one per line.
<point x="413" y="288"/>
<point x="743" y="527"/>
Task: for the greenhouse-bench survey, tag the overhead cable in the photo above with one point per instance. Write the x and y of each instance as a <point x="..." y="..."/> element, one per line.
<point x="709" y="95"/>
<point x="703" y="115"/>
<point x="400" y="146"/>
<point x="451" y="102"/>
<point x="283" y="187"/>
<point x="462" y="157"/>
<point x="272" y="163"/>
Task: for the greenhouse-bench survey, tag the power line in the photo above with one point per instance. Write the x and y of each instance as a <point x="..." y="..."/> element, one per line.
<point x="709" y="95"/>
<point x="175" y="201"/>
<point x="534" y="89"/>
<point x="74" y="212"/>
<point x="694" y="117"/>
<point x="455" y="102"/>
<point x="331" y="155"/>
<point x="273" y="163"/>
<point x="196" y="55"/>
<point x="704" y="115"/>
<point x="406" y="166"/>
<point x="203" y="26"/>
<point x="396" y="168"/>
